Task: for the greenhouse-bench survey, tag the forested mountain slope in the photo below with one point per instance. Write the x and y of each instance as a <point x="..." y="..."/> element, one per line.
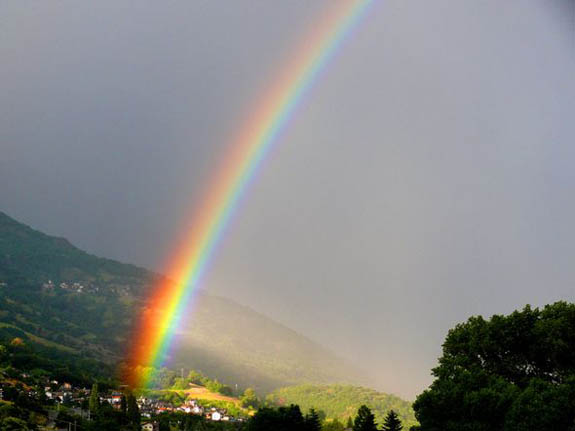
<point x="343" y="401"/>
<point x="69" y="299"/>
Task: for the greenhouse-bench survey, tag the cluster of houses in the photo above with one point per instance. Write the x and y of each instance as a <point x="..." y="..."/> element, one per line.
<point x="76" y="287"/>
<point x="149" y="407"/>
<point x="71" y="287"/>
<point x="66" y="393"/>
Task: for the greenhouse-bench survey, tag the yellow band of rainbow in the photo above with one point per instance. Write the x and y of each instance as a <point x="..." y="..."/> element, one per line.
<point x="152" y="338"/>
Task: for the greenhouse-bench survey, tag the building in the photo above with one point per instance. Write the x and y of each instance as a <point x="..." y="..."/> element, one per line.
<point x="150" y="426"/>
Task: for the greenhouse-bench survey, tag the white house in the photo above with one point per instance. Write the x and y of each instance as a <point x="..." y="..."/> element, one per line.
<point x="149" y="426"/>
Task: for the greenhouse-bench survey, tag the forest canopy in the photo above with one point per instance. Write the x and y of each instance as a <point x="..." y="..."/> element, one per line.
<point x="514" y="372"/>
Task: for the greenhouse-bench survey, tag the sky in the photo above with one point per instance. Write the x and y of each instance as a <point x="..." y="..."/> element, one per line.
<point x="427" y="176"/>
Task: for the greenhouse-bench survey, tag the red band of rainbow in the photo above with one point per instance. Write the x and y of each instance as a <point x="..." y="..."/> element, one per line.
<point x="153" y="336"/>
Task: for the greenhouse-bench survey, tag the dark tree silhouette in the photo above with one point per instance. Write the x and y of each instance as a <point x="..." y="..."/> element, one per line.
<point x="281" y="419"/>
<point x="312" y="421"/>
<point x="392" y="422"/>
<point x="164" y="424"/>
<point x="133" y="412"/>
<point x="509" y="373"/>
<point x="365" y="420"/>
<point x="124" y="405"/>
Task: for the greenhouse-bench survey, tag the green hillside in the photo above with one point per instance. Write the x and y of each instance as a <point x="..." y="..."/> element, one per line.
<point x="29" y="257"/>
<point x="63" y="295"/>
<point x="342" y="401"/>
<point x="242" y="346"/>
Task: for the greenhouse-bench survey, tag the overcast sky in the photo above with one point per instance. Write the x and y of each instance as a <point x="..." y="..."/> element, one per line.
<point x="428" y="176"/>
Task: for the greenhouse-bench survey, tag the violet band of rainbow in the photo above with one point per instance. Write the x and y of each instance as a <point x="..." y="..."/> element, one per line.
<point x="153" y="338"/>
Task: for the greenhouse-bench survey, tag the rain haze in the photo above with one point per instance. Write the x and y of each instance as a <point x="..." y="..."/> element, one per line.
<point x="427" y="176"/>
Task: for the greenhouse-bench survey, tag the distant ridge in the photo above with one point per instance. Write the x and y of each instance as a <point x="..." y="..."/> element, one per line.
<point x="32" y="257"/>
<point x="51" y="289"/>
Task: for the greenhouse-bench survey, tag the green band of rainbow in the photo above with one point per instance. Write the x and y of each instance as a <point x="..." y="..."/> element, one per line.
<point x="158" y="322"/>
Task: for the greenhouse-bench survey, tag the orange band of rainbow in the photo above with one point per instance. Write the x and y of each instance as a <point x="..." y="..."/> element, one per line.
<point x="153" y="336"/>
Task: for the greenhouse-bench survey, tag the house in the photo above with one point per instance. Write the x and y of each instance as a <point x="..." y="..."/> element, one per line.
<point x="116" y="398"/>
<point x="185" y="409"/>
<point x="150" y="426"/>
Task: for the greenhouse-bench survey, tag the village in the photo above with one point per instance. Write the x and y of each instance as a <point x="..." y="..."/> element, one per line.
<point x="76" y="400"/>
<point x="86" y="287"/>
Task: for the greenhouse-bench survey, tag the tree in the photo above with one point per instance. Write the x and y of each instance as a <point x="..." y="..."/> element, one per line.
<point x="509" y="373"/>
<point x="195" y="377"/>
<point x="392" y="422"/>
<point x="250" y="399"/>
<point x="124" y="405"/>
<point x="349" y="424"/>
<point x="133" y="413"/>
<point x="365" y="420"/>
<point x="13" y="424"/>
<point x="164" y="424"/>
<point x="180" y="383"/>
<point x="94" y="403"/>
<point x="312" y="421"/>
<point x="333" y="425"/>
<point x="123" y="410"/>
<point x="542" y="406"/>
<point x="281" y="419"/>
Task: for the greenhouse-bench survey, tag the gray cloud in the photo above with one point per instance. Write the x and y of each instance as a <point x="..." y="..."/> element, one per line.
<point x="428" y="175"/>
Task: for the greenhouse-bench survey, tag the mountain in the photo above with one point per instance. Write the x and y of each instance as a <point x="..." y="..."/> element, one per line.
<point x="242" y="346"/>
<point x="342" y="401"/>
<point x="30" y="257"/>
<point x="60" y="296"/>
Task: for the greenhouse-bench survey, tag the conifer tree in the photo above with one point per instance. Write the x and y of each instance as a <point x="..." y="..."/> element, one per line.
<point x="123" y="404"/>
<point x="349" y="423"/>
<point x="94" y="403"/>
<point x="365" y="420"/>
<point x="312" y="421"/>
<point x="124" y="408"/>
<point x="392" y="422"/>
<point x="133" y="411"/>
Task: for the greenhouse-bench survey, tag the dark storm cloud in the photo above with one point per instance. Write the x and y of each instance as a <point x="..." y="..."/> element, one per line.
<point x="427" y="177"/>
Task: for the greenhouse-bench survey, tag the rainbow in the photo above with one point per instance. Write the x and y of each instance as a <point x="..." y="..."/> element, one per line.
<point x="153" y="337"/>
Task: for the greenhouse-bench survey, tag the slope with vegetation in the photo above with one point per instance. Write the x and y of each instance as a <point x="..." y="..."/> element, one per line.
<point x="62" y="295"/>
<point x="29" y="257"/>
<point x="243" y="347"/>
<point x="342" y="401"/>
